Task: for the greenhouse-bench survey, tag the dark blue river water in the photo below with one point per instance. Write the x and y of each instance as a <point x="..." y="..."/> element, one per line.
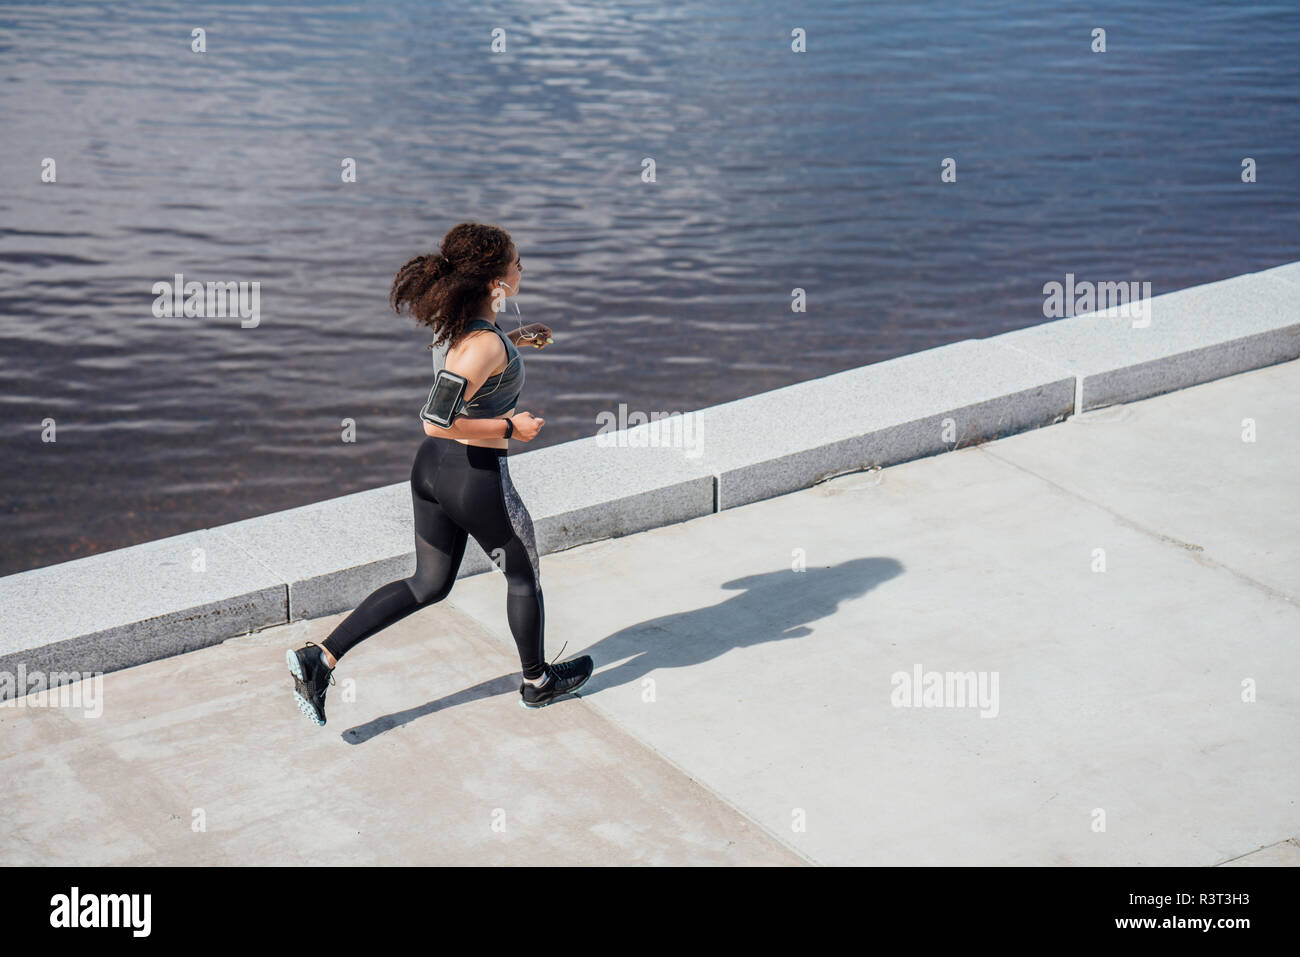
<point x="774" y="170"/>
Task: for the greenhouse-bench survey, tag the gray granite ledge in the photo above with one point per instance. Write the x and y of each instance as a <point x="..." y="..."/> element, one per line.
<point x="167" y="597"/>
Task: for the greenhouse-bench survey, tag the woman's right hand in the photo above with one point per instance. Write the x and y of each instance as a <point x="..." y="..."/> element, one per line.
<point x="526" y="427"/>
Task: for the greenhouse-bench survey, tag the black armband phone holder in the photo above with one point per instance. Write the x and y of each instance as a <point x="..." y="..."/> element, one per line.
<point x="444" y="398"/>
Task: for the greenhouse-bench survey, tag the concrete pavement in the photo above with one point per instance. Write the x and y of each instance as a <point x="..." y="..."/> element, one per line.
<point x="1121" y="588"/>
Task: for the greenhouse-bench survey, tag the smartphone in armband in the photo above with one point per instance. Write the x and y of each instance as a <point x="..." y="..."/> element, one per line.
<point x="444" y="398"/>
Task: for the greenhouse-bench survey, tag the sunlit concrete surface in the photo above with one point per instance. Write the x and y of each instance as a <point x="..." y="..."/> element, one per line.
<point x="1281" y="854"/>
<point x="1129" y="576"/>
<point x="204" y="759"/>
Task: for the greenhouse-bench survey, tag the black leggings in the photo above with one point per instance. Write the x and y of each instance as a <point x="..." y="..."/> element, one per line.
<point x="460" y="490"/>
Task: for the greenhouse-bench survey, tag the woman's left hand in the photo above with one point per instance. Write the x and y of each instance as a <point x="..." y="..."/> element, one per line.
<point x="534" y="334"/>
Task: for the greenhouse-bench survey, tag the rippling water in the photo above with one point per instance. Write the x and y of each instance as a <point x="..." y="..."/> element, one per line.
<point x="774" y="171"/>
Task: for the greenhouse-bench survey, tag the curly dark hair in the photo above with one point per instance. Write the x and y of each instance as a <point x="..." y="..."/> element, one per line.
<point x="445" y="290"/>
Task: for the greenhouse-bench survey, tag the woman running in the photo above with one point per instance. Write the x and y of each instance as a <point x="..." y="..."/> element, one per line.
<point x="460" y="485"/>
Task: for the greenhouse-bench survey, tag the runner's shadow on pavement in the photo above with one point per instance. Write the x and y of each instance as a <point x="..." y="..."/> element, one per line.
<point x="484" y="689"/>
<point x="770" y="606"/>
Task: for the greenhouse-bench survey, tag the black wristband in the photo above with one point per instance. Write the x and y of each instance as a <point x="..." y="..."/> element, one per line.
<point x="510" y="429"/>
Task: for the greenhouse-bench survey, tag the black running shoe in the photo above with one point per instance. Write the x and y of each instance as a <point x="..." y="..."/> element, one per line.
<point x="311" y="678"/>
<point x="566" y="678"/>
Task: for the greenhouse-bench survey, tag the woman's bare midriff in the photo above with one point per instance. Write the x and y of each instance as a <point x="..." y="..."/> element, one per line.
<point x="501" y="443"/>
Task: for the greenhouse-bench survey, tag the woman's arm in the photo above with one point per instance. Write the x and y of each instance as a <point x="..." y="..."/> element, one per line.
<point x="481" y="353"/>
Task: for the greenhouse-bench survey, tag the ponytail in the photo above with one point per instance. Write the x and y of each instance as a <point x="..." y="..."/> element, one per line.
<point x="447" y="289"/>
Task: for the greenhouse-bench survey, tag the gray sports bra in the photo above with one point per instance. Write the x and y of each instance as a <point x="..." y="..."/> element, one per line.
<point x="499" y="393"/>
